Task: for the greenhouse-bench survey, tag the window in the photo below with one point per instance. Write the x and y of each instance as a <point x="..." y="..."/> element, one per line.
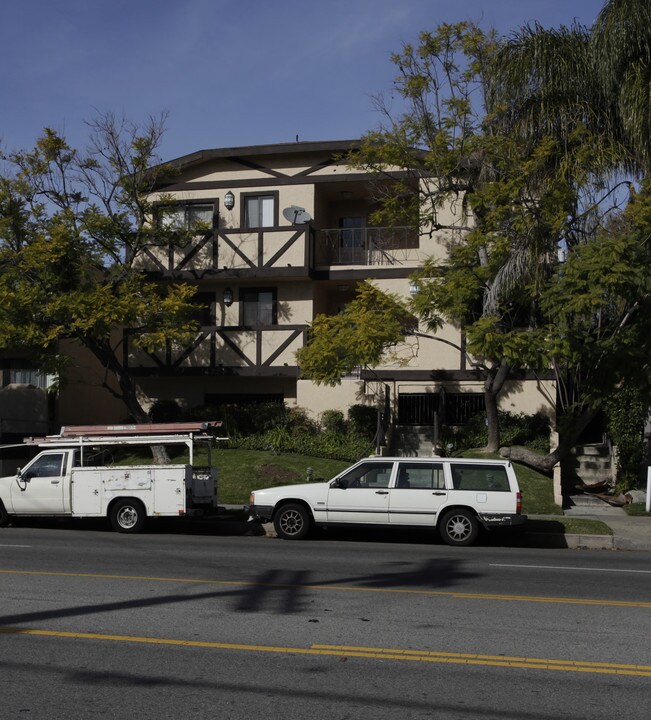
<point x="478" y="477"/>
<point x="46" y="466"/>
<point x="27" y="376"/>
<point x="260" y="211"/>
<point x="367" y="475"/>
<point x="203" y="304"/>
<point x="258" y="307"/>
<point x="187" y="216"/>
<point x="421" y="476"/>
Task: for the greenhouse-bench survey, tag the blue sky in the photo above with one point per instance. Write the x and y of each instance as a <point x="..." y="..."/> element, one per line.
<point x="228" y="72"/>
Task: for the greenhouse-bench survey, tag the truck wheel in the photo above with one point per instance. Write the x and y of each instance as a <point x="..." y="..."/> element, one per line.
<point x="459" y="527"/>
<point x="292" y="522"/>
<point x="4" y="516"/>
<point x="127" y="516"/>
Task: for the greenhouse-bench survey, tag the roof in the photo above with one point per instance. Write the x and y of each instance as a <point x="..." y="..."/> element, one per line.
<point x="201" y="156"/>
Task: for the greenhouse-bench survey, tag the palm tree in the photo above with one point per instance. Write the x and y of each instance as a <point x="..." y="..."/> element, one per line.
<point x="621" y="48"/>
<point x="558" y="82"/>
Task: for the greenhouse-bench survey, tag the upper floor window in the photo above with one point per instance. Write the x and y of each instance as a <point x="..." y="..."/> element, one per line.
<point x="258" y="306"/>
<point x="260" y="210"/>
<point x="14" y="374"/>
<point x="186" y="216"/>
<point x="203" y="311"/>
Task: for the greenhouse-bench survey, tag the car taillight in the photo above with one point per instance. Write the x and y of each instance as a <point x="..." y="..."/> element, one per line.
<point x="518" y="504"/>
<point x="251" y="499"/>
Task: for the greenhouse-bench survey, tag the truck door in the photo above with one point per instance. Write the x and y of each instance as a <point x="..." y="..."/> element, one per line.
<point x="39" y="488"/>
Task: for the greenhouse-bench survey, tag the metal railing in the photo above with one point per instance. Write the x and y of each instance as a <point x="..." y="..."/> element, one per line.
<point x="366" y="245"/>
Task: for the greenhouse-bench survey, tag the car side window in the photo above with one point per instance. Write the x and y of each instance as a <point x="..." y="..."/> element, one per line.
<point x="367" y="475"/>
<point x="420" y="476"/>
<point x="46" y="466"/>
<point x="480" y="477"/>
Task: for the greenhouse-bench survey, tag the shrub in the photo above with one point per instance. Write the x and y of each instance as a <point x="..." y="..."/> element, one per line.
<point x="626" y="413"/>
<point x="333" y="421"/>
<point x="532" y="431"/>
<point x="363" y="420"/>
<point x="164" y="411"/>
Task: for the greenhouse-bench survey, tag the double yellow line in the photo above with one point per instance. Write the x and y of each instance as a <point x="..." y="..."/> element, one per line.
<point x="368" y="652"/>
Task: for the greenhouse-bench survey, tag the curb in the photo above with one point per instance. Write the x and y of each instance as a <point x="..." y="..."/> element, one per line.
<point x="539" y="540"/>
<point x="570" y="541"/>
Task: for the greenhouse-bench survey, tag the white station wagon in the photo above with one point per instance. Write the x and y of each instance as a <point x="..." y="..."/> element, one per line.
<point x="454" y="495"/>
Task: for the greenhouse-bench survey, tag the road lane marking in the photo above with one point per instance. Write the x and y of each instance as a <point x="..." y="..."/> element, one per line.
<point x="365" y="652"/>
<point x="14" y="546"/>
<point x="343" y="588"/>
<point x="568" y="567"/>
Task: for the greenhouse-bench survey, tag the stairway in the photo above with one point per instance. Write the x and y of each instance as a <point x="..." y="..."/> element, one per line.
<point x="412" y="441"/>
<point x="588" y="465"/>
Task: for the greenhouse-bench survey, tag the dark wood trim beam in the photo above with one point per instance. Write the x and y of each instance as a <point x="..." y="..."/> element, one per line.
<point x="274" y="182"/>
<point x="282" y="250"/>
<point x="236" y="250"/>
<point x="281" y="348"/>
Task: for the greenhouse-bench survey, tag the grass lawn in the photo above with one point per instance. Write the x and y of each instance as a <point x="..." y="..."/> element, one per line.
<point x="562" y="524"/>
<point x="637" y="509"/>
<point x="241" y="471"/>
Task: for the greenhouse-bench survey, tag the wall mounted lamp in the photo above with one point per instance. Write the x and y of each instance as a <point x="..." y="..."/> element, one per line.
<point x="228" y="297"/>
<point x="229" y="200"/>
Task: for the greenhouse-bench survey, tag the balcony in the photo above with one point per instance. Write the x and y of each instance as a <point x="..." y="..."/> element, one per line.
<point x="268" y="350"/>
<point x="367" y="246"/>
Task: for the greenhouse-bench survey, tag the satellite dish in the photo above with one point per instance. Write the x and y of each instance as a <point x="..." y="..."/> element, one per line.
<point x="296" y="215"/>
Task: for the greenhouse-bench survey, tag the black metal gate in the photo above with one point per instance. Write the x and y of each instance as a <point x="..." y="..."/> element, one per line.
<point x="453" y="408"/>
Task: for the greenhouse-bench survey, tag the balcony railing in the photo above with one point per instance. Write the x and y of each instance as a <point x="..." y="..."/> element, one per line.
<point x="366" y="246"/>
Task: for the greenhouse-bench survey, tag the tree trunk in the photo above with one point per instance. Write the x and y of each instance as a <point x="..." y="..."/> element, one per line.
<point x="493" y="385"/>
<point x="128" y="392"/>
<point x="545" y="463"/>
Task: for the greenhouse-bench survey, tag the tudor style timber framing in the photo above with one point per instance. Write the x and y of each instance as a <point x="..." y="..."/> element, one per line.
<point x="261" y="279"/>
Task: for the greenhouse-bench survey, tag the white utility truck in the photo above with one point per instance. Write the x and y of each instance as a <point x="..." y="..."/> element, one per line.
<point x="71" y="477"/>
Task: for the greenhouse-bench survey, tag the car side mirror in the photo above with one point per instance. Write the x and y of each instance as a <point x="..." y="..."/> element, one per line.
<point x="341" y="484"/>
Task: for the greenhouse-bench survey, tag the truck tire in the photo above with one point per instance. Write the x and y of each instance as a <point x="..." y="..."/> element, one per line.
<point x="127" y="516"/>
<point x="292" y="522"/>
<point x="459" y="527"/>
<point x="4" y="516"/>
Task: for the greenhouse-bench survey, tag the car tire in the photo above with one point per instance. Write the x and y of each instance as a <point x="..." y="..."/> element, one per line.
<point x="459" y="527"/>
<point x="127" y="516"/>
<point x="4" y="516"/>
<point x="292" y="522"/>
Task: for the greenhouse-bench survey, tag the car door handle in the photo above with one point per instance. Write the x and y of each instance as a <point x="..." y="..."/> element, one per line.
<point x="439" y="492"/>
<point x="55" y="482"/>
<point x="381" y="492"/>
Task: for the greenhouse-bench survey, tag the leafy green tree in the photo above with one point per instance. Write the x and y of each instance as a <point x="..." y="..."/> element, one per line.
<point x="75" y="231"/>
<point x="511" y="203"/>
<point x="524" y="199"/>
<point x="359" y="336"/>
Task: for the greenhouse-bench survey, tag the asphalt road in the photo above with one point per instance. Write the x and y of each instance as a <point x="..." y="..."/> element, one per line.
<point x="211" y="623"/>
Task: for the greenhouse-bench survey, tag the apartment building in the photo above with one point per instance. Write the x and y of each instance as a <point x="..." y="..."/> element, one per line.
<point x="288" y="236"/>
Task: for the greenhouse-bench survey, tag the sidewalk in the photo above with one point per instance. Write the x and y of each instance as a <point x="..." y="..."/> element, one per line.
<point x="629" y="532"/>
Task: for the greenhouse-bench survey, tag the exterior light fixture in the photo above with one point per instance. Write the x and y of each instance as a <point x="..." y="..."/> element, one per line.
<point x="228" y="297"/>
<point x="229" y="200"/>
<point x="413" y="289"/>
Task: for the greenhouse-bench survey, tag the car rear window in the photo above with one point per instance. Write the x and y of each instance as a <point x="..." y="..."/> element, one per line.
<point x="480" y="477"/>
